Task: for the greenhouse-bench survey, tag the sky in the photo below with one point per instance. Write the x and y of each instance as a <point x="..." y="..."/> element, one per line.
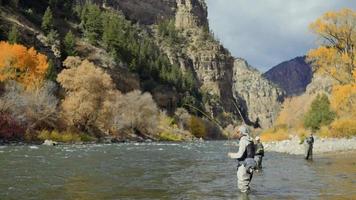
<point x="268" y="32"/>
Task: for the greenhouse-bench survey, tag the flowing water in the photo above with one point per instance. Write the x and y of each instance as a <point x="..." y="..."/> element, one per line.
<point x="166" y="171"/>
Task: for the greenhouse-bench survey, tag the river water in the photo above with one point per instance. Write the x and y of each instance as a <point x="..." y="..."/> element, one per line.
<point x="166" y="171"/>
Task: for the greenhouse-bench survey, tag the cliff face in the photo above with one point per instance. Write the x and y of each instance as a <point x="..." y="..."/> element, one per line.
<point x="149" y="12"/>
<point x="222" y="79"/>
<point x="293" y="76"/>
<point x="261" y="98"/>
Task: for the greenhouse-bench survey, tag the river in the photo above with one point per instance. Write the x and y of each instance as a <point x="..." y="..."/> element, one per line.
<point x="166" y="171"/>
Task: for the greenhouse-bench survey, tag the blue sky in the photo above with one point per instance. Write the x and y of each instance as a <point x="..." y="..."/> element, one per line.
<point x="268" y="32"/>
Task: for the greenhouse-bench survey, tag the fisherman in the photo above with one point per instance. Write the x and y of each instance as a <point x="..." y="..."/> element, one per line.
<point x="260" y="153"/>
<point x="245" y="159"/>
<point x="308" y="144"/>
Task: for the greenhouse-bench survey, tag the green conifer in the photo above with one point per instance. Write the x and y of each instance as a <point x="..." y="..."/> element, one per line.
<point x="47" y="20"/>
<point x="13" y="36"/>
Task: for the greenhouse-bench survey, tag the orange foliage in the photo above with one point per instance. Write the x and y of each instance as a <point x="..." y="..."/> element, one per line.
<point x="23" y="65"/>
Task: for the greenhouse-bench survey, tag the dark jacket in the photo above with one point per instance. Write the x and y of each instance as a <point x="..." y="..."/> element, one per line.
<point x="259" y="149"/>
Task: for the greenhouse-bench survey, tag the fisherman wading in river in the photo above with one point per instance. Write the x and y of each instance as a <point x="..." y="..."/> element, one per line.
<point x="308" y="144"/>
<point x="245" y="159"/>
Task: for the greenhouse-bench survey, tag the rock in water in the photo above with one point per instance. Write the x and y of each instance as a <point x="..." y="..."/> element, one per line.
<point x="50" y="143"/>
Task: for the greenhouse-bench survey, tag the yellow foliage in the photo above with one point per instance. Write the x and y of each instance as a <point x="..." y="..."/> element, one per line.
<point x="344" y="127"/>
<point x="277" y="133"/>
<point x="337" y="56"/>
<point x="197" y="127"/>
<point x="343" y="100"/>
<point x="21" y="64"/>
<point x="66" y="136"/>
<point x="169" y="136"/>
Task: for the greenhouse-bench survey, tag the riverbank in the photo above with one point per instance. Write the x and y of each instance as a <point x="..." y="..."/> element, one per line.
<point x="321" y="145"/>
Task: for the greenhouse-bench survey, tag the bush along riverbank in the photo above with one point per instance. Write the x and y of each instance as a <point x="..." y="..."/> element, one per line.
<point x="295" y="146"/>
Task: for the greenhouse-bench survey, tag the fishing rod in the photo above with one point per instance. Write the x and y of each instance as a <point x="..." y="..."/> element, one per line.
<point x="238" y="110"/>
<point x="206" y="115"/>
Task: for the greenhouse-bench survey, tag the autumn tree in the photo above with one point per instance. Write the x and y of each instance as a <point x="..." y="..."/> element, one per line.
<point x="23" y="65"/>
<point x="137" y="113"/>
<point x="47" y="20"/>
<point x="337" y="53"/>
<point x="343" y="99"/>
<point x="87" y="88"/>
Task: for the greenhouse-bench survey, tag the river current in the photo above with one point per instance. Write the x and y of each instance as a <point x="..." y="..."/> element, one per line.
<point x="166" y="171"/>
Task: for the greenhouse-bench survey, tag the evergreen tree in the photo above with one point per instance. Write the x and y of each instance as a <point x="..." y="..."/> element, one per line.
<point x="113" y="34"/>
<point x="319" y="113"/>
<point x="13" y="36"/>
<point x="47" y="20"/>
<point x="92" y="22"/>
<point x="69" y="44"/>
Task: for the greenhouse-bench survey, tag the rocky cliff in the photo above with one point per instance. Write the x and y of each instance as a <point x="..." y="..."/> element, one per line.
<point x="222" y="80"/>
<point x="292" y="76"/>
<point x="261" y="98"/>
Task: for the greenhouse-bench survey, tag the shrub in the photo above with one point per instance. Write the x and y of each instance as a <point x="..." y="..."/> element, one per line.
<point x="343" y="128"/>
<point x="35" y="109"/>
<point x="319" y="113"/>
<point x="168" y="136"/>
<point x="10" y="129"/>
<point x="277" y="133"/>
<point x="136" y="112"/>
<point x="57" y="136"/>
<point x="169" y="130"/>
<point x="197" y="127"/>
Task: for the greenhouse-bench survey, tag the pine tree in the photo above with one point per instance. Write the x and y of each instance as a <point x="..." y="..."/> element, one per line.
<point x="13" y="36"/>
<point x="319" y="114"/>
<point x="92" y="22"/>
<point x="69" y="44"/>
<point x="47" y="20"/>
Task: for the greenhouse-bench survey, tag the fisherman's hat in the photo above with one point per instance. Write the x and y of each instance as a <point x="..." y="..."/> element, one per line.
<point x="244" y="130"/>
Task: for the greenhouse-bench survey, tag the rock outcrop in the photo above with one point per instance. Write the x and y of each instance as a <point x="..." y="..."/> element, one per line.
<point x="292" y="76"/>
<point x="222" y="79"/>
<point x="261" y="98"/>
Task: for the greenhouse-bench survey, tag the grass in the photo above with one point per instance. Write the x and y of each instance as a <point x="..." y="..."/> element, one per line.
<point x="167" y="136"/>
<point x="65" y="137"/>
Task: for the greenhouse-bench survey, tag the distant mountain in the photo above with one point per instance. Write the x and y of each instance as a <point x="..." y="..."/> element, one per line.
<point x="293" y="76"/>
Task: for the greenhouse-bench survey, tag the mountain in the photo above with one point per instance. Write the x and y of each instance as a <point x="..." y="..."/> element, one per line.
<point x="293" y="76"/>
<point x="195" y="71"/>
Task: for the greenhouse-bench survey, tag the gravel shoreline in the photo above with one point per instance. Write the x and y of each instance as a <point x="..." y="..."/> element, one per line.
<point x="321" y="145"/>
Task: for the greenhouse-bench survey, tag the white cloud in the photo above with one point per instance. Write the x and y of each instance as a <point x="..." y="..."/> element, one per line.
<point x="267" y="32"/>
